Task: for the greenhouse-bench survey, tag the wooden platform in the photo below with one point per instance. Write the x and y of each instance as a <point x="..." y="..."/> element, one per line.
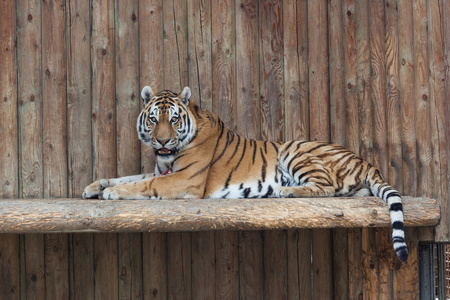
<point x="76" y="215"/>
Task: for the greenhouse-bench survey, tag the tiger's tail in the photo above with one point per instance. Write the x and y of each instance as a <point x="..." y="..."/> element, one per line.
<point x="380" y="188"/>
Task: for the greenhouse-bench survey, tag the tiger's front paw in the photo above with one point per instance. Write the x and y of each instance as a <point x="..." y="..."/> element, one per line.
<point x="283" y="192"/>
<point x="123" y="191"/>
<point x="94" y="189"/>
<point x="110" y="194"/>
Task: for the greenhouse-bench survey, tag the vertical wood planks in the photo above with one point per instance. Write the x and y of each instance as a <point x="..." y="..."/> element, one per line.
<point x="203" y="265"/>
<point x="438" y="100"/>
<point x="225" y="105"/>
<point x="175" y="40"/>
<point x="271" y="70"/>
<point x="251" y="284"/>
<point x="392" y="90"/>
<point x="247" y="70"/>
<point x="55" y="139"/>
<point x="128" y="148"/>
<point x="53" y="99"/>
<point x="175" y="45"/>
<point x="82" y="266"/>
<point x="200" y="67"/>
<point x="338" y="90"/>
<point x="227" y="264"/>
<point x="319" y="130"/>
<point x="79" y="138"/>
<point x="249" y="125"/>
<point x="104" y="137"/>
<point x="8" y="102"/>
<point x="223" y="34"/>
<point x="9" y="244"/>
<point x="272" y="128"/>
<point x="103" y="89"/>
<point x="79" y="96"/>
<point x="30" y="138"/>
<point x="154" y="266"/>
<point x="29" y="99"/>
<point x="151" y="62"/>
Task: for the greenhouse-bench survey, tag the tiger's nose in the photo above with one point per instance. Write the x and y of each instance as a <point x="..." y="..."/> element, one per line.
<point x="163" y="142"/>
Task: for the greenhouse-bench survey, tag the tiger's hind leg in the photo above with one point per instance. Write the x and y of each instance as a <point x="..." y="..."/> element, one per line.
<point x="310" y="190"/>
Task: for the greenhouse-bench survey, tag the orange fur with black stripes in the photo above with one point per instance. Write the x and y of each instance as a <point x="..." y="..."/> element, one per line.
<point x="198" y="157"/>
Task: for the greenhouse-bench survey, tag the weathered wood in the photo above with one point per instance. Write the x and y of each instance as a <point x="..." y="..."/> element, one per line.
<point x="29" y="99"/>
<point x="227" y="264"/>
<point x="54" y="110"/>
<point x="203" y="265"/>
<point x="271" y="70"/>
<point x="275" y="264"/>
<point x="438" y="100"/>
<point x="154" y="268"/>
<point x="56" y="265"/>
<point x="200" y="56"/>
<point x="104" y="138"/>
<point x="247" y="70"/>
<point x="9" y="267"/>
<point x="82" y="266"/>
<point x="223" y="61"/>
<point x="128" y="146"/>
<point x="337" y="75"/>
<point x="79" y="138"/>
<point x="8" y="102"/>
<point x="69" y="215"/>
<point x="33" y="267"/>
<point x="446" y="109"/>
<point x="79" y="119"/>
<point x="175" y="45"/>
<point x="394" y="175"/>
<point x="9" y="244"/>
<point x="251" y="265"/>
<point x="151" y="61"/>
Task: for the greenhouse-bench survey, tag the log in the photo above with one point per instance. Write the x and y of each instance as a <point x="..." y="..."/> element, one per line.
<point x="74" y="215"/>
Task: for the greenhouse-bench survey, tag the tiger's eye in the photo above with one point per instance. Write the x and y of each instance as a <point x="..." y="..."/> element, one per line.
<point x="153" y="119"/>
<point x="174" y="120"/>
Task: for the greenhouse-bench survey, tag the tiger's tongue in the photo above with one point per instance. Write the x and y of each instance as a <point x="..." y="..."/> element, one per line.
<point x="166" y="172"/>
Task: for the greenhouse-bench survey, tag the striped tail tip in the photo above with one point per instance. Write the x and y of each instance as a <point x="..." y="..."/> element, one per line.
<point x="402" y="253"/>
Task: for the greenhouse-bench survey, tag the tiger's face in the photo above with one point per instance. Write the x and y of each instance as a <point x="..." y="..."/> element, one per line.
<point x="166" y="123"/>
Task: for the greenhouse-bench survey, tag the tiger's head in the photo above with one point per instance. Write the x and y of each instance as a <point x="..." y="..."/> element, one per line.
<point x="166" y="122"/>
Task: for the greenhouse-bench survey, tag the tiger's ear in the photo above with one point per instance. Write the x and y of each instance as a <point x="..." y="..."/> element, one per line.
<point x="185" y="95"/>
<point x="147" y="94"/>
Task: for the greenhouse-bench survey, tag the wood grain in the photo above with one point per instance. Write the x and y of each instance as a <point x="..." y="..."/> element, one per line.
<point x="199" y="52"/>
<point x="104" y="138"/>
<point x="82" y="266"/>
<point x="251" y="284"/>
<point x="9" y="244"/>
<point x="248" y="113"/>
<point x="151" y="61"/>
<point x="9" y="266"/>
<point x="69" y="215"/>
<point x="271" y="70"/>
<point x="393" y="96"/>
<point x="79" y="118"/>
<point x="154" y="265"/>
<point x="223" y="34"/>
<point x="8" y="102"/>
<point x="56" y="265"/>
<point x="53" y="90"/>
<point x="29" y="97"/>
<point x="438" y="100"/>
<point x="175" y="45"/>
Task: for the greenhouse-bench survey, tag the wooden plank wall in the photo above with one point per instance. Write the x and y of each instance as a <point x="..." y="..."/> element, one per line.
<point x="370" y="75"/>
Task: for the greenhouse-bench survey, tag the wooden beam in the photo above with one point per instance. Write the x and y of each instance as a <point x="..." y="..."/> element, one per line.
<point x="74" y="215"/>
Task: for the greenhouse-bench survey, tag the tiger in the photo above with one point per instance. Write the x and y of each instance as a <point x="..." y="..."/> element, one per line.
<point x="197" y="156"/>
